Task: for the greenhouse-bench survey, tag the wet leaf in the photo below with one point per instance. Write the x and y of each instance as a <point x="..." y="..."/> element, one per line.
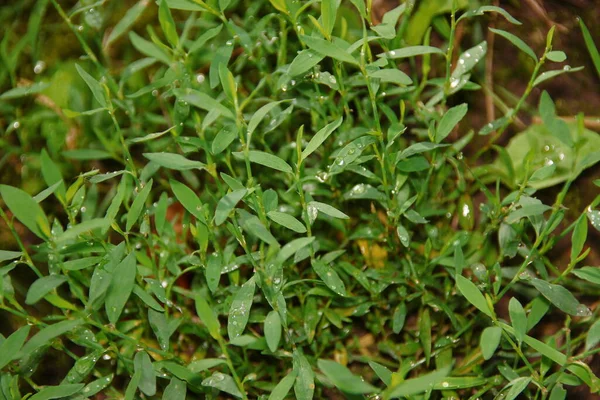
<point x="283" y="387"/>
<point x="208" y="317"/>
<point x="320" y="137"/>
<point x="489" y="341"/>
<point x="227" y="204"/>
<point x="561" y="298"/>
<point x="223" y="382"/>
<point x="329" y="277"/>
<point x="42" y="286"/>
<point x="287" y="220"/>
<point x="239" y="313"/>
<point x="520" y="44"/>
<point x="304" y="386"/>
<point x="518" y="319"/>
<point x="121" y="286"/>
<point x="175" y="390"/>
<point x="418" y="385"/>
<point x="26" y="210"/>
<point x="272" y="331"/>
<point x="343" y="379"/>
<point x="138" y="205"/>
<point x="452" y="117"/>
<point x="10" y="347"/>
<point x="57" y="392"/>
<point x="472" y="294"/>
<point x="174" y="161"/>
<point x="143" y="365"/>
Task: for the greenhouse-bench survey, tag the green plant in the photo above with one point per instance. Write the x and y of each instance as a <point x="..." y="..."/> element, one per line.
<point x="302" y="223"/>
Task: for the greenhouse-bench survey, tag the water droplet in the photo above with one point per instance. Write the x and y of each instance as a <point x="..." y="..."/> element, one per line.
<point x="583" y="311"/>
<point x="461" y="62"/>
<point x="16" y="125"/>
<point x="332" y="79"/>
<point x="445" y="384"/>
<point x="218" y="376"/>
<point x="155" y="93"/>
<point x="567" y="68"/>
<point x="83" y="209"/>
<point x="284" y="87"/>
<point x="80" y="28"/>
<point x="358" y="189"/>
<point x="454" y="82"/>
<point x="392" y="53"/>
<point x="460" y="155"/>
<point x="164" y="284"/>
<point x="39" y="67"/>
<point x="229" y="43"/>
<point x="292" y="82"/>
<point x="467" y="55"/>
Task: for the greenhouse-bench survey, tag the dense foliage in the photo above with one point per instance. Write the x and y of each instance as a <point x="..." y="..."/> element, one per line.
<point x="269" y="199"/>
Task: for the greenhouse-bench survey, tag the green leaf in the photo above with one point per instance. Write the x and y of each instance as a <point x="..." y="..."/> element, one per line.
<point x="382" y="372"/>
<point x="305" y="60"/>
<point x="175" y="390"/>
<point x="205" y="37"/>
<point x="516" y="387"/>
<point x="121" y="286"/>
<point x="127" y="21"/>
<point x="6" y="255"/>
<point x="558" y="393"/>
<point x="452" y="117"/>
<point x="98" y="385"/>
<point x="132" y="386"/>
<point x="589" y="43"/>
<point x="591" y="339"/>
<point x="174" y="161"/>
<point x="392" y="75"/>
<point x="223" y="382"/>
<point x="462" y="382"/>
<point x="224" y="138"/>
<point x="521" y="45"/>
<point x="287" y="220"/>
<point x="579" y="237"/>
<point x="544" y="76"/>
<point x="208" y="317"/>
<point x="518" y="318"/>
<point x="203" y="101"/>
<point x="399" y="318"/>
<point x="529" y="210"/>
<point x="167" y="23"/>
<point x="543" y="173"/>
<point x="472" y="294"/>
<point x="84" y="227"/>
<point x="204" y="364"/>
<point x="330" y="277"/>
<point x="10" y="346"/>
<point x="272" y="330"/>
<point x="327" y="209"/>
<point x="148" y="48"/>
<point x="213" y="271"/>
<point x="283" y="387"/>
<point x="94" y="85"/>
<point x="343" y="379"/>
<point x="260" y="114"/>
<point x="556" y="56"/>
<point x="320" y="137"/>
<point x="22" y="91"/>
<point x="188" y="199"/>
<point x="411" y="51"/>
<point x="304" y="386"/>
<point x="227" y="204"/>
<point x="239" y="312"/>
<point x="147" y="298"/>
<point x="26" y="210"/>
<point x="592" y="215"/>
<point x="160" y="327"/>
<point x="590" y="274"/>
<point x="42" y="286"/>
<point x="468" y="59"/>
<point x="483" y="9"/>
<point x="138" y="205"/>
<point x="328" y="14"/>
<point x="489" y="341"/>
<point x="57" y="392"/>
<point x="52" y="175"/>
<point x="328" y="49"/>
<point x="143" y="365"/>
<point x="425" y="333"/>
<point x="250" y="223"/>
<point x="561" y="298"/>
<point x="47" y="334"/>
<point x="292" y="247"/>
<point x="267" y="159"/>
<point x="418" y="385"/>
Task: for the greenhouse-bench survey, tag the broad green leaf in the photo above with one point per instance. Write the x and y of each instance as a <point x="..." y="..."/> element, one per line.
<point x="399" y="318"/>
<point x="86" y="154"/>
<point x="283" y="387"/>
<point x="592" y="215"/>
<point x="205" y="37"/>
<point x="579" y="237"/>
<point x="6" y="255"/>
<point x="518" y="318"/>
<point x="489" y="341"/>
<point x="148" y="48"/>
<point x="328" y="49"/>
<point x="203" y="101"/>
<point x="529" y="210"/>
<point x="42" y="286"/>
<point x="382" y="372"/>
<point x="223" y="382"/>
<point x="147" y="298"/>
<point x="224" y="138"/>
<point x="160" y="327"/>
<point x="167" y="23"/>
<point x="292" y="247"/>
<point x="175" y="390"/>
<point x="483" y="9"/>
<point x="272" y="331"/>
<point x="132" y="386"/>
<point x="392" y="75"/>
<point x="521" y="45"/>
<point x="174" y="161"/>
<point x="85" y="227"/>
<point x="472" y="294"/>
<point x="260" y="114"/>
<point x="57" y="392"/>
<point x="516" y="387"/>
<point x="305" y="60"/>
<point x="143" y="365"/>
<point x="304" y="386"/>
<point x="462" y="382"/>
<point x="539" y="308"/>
<point x="26" y="210"/>
<point x="418" y="385"/>
<point x="591" y="339"/>
<point x="328" y="15"/>
<point x="411" y="51"/>
<point x="543" y="173"/>
<point x="138" y="205"/>
<point x="350" y="153"/>
<point x="589" y="43"/>
<point x="418" y="148"/>
<point x="452" y="117"/>
<point x="468" y="59"/>
<point x="22" y="91"/>
<point x="320" y="137"/>
<point x="328" y="210"/>
<point x="10" y="346"/>
<point x="98" y="385"/>
<point x="208" y="317"/>
<point x="343" y="379"/>
<point x="213" y="271"/>
<point x="266" y="159"/>
<point x="131" y="15"/>
<point x="556" y="56"/>
<point x="250" y="223"/>
<point x="561" y="298"/>
<point x="227" y="204"/>
<point x="330" y="277"/>
<point x="590" y="274"/>
<point x="47" y="334"/>
<point x="121" y="286"/>
<point x="188" y="199"/>
<point x="239" y="313"/>
<point x="52" y="175"/>
<point x="219" y="57"/>
<point x="558" y="393"/>
<point x="544" y="76"/>
<point x="94" y="85"/>
<point x="205" y="364"/>
<point x="287" y="220"/>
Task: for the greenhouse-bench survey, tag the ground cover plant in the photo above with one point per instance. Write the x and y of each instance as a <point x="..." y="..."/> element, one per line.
<point x="288" y="199"/>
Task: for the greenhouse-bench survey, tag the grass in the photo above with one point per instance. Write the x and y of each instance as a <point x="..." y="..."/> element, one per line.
<point x="283" y="200"/>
